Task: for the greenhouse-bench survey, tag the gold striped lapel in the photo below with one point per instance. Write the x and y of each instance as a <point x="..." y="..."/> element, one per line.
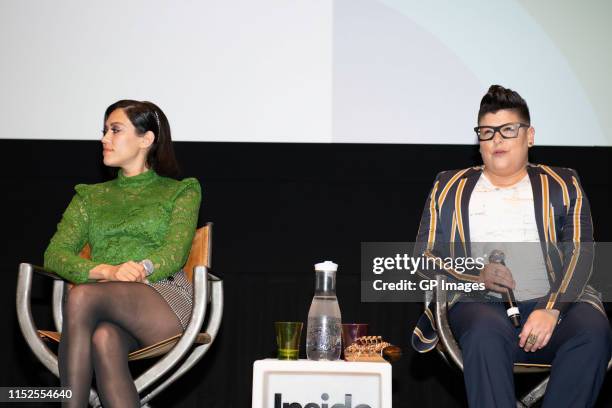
<point x="448" y="186"/>
<point x="459" y="212"/>
<point x="433" y="218"/>
<point x="561" y="183"/>
<point x="545" y="206"/>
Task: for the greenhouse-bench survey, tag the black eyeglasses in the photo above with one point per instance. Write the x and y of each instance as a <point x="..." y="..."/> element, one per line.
<point x="507" y="131"/>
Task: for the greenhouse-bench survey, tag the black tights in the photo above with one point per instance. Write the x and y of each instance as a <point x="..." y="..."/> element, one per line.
<point x="103" y="323"/>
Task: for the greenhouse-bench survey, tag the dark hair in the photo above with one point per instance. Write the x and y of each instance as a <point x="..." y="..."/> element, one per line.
<point x="498" y="98"/>
<point x="146" y="116"/>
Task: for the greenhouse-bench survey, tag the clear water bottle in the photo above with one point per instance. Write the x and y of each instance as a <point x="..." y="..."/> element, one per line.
<point x="324" y="332"/>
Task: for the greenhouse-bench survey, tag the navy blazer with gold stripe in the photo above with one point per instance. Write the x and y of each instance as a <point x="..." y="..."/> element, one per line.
<point x="564" y="224"/>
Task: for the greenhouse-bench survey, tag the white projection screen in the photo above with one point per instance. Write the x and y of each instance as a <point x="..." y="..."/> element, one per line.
<point x="322" y="71"/>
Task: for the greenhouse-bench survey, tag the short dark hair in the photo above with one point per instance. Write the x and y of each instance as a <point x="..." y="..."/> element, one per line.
<point x="498" y="98"/>
<point x="146" y="116"/>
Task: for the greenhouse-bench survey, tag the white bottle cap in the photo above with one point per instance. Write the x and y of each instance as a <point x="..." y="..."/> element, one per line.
<point x="327" y="266"/>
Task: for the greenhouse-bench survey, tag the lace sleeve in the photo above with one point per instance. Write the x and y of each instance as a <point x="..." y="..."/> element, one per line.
<point x="172" y="255"/>
<point x="62" y="254"/>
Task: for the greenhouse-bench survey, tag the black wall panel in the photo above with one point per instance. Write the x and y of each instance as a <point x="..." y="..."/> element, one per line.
<point x="277" y="209"/>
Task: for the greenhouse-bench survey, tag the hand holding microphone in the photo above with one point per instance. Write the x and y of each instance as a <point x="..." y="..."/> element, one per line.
<point x="148" y="267"/>
<point x="497" y="277"/>
<point x="129" y="271"/>
<point x="132" y="271"/>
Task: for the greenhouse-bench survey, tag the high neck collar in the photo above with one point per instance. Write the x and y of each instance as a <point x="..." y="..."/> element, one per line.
<point x="141" y="179"/>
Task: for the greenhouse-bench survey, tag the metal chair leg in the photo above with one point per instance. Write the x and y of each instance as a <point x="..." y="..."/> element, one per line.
<point x="535" y="394"/>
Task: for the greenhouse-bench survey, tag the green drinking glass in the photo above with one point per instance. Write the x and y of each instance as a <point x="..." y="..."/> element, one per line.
<point x="288" y="336"/>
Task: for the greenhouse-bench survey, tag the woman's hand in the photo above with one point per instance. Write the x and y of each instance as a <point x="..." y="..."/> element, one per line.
<point x="126" y="272"/>
<point x="496" y="277"/>
<point x="129" y="272"/>
<point x="538" y="329"/>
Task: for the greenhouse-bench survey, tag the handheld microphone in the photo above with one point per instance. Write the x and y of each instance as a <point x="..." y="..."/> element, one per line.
<point x="148" y="266"/>
<point x="512" y="310"/>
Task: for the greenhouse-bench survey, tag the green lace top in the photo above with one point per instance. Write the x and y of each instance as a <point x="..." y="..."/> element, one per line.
<point x="127" y="219"/>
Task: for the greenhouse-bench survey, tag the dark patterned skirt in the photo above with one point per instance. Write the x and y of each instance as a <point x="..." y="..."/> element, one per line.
<point x="177" y="290"/>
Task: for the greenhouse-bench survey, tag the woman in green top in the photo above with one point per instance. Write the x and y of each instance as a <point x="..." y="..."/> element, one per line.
<point x="132" y="292"/>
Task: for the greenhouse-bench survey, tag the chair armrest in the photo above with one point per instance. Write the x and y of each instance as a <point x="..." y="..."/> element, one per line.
<point x="214" y="278"/>
<point x="25" y="319"/>
<point x="58" y="291"/>
<point x="443" y="326"/>
<point x="42" y="271"/>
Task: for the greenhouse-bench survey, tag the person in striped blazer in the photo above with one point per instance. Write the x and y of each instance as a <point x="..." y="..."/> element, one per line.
<point x="509" y="200"/>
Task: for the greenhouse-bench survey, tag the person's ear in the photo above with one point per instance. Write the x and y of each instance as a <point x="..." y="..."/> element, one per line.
<point x="147" y="139"/>
<point x="530" y="136"/>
